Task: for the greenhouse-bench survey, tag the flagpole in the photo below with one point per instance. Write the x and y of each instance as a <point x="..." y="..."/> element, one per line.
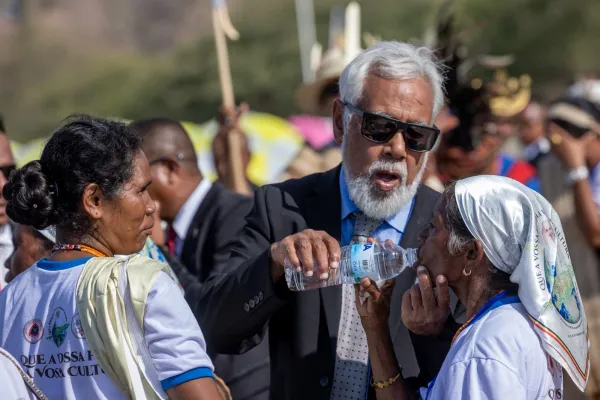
<point x="223" y="29"/>
<point x="307" y="36"/>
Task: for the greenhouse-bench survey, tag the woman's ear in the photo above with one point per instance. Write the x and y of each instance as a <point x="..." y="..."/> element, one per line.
<point x="475" y="255"/>
<point x="92" y="200"/>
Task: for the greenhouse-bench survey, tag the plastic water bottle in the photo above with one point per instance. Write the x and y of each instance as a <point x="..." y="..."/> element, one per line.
<point x="358" y="261"/>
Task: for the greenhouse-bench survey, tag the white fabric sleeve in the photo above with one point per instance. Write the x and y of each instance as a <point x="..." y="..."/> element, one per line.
<point x="480" y="379"/>
<point x="173" y="336"/>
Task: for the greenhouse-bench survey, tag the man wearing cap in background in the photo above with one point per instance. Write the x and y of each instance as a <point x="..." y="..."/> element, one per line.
<point x="7" y="165"/>
<point x="532" y="133"/>
<point x="320" y="152"/>
<point x="574" y="131"/>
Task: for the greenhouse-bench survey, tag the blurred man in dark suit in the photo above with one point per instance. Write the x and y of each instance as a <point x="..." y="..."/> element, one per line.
<point x="204" y="220"/>
<point x="390" y="95"/>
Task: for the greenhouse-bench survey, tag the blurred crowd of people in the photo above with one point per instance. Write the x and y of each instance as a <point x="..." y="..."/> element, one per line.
<point x="131" y="275"/>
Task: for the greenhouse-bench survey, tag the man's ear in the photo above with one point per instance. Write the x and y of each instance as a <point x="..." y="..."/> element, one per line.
<point x="167" y="170"/>
<point x="338" y="120"/>
<point x="93" y="200"/>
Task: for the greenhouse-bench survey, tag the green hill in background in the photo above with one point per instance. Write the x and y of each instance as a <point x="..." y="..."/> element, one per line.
<point x="553" y="41"/>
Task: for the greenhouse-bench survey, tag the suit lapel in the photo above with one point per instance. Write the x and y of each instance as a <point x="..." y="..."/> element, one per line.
<point x="323" y="212"/>
<point x="190" y="243"/>
<point x="418" y="220"/>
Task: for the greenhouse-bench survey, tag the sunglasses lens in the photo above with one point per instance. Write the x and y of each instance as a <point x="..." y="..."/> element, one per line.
<point x="378" y="129"/>
<point x="420" y="138"/>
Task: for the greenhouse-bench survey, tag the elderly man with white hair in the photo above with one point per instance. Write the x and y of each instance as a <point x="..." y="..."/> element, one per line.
<point x="389" y="96"/>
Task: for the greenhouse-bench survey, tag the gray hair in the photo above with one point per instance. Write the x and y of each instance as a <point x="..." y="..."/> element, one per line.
<point x="393" y="60"/>
<point x="459" y="235"/>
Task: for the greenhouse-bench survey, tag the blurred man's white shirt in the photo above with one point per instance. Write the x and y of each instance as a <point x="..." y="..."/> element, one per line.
<point x="6" y="249"/>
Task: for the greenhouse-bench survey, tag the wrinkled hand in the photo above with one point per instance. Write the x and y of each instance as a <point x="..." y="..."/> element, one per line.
<point x="569" y="151"/>
<point x="229" y="124"/>
<point x="374" y="310"/>
<point x="422" y="313"/>
<point x="303" y="250"/>
<point x="229" y="117"/>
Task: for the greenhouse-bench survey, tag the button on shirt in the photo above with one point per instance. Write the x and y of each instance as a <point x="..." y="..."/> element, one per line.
<point x="186" y="214"/>
<point x="392" y="228"/>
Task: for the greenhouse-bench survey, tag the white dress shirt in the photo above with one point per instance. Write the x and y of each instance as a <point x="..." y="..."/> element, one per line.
<point x="186" y="214"/>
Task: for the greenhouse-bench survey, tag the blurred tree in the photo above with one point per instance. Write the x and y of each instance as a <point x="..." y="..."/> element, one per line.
<point x="553" y="40"/>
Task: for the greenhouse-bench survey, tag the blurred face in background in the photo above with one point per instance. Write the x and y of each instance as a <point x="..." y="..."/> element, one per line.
<point x="532" y="126"/>
<point x="7" y="165"/>
<point x="29" y="247"/>
<point x="383" y="177"/>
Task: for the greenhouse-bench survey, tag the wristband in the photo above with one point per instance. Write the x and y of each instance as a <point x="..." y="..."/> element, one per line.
<point x="384" y="384"/>
<point x="576" y="175"/>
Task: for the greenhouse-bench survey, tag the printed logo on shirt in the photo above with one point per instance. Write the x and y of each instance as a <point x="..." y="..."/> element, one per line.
<point x="33" y="331"/>
<point x="58" y="327"/>
<point x="76" y="327"/>
<point x="555" y="394"/>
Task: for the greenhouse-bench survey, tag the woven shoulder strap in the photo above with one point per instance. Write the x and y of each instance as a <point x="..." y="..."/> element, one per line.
<point x="26" y="378"/>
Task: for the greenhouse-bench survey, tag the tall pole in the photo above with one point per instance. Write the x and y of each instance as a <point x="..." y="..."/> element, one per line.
<point x="223" y="29"/>
<point x="307" y="36"/>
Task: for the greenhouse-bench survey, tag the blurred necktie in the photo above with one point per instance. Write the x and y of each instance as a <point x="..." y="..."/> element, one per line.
<point x="171" y="241"/>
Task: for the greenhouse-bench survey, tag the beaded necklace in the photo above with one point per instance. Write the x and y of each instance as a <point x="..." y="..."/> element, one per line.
<point x="78" y="247"/>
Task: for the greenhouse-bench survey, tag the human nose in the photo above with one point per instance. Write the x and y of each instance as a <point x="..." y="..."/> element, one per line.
<point x="396" y="147"/>
<point x="150" y="206"/>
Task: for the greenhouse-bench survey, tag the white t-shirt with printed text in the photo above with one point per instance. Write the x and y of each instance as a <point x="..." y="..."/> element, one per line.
<point x="499" y="357"/>
<point x="40" y="327"/>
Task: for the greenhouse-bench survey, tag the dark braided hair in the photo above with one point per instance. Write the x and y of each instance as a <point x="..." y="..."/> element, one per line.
<point x="84" y="150"/>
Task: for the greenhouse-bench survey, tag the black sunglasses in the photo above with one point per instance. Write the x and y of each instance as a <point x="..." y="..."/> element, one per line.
<point x="380" y="129"/>
<point x="7" y="170"/>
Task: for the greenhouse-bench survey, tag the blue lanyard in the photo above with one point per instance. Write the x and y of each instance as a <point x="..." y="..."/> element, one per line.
<point x="498" y="300"/>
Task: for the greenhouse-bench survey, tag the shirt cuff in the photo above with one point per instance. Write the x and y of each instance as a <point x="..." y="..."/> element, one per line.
<point x="196" y="373"/>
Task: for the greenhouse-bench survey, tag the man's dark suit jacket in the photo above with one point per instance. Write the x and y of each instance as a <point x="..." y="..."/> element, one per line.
<point x="237" y="308"/>
<point x="206" y="250"/>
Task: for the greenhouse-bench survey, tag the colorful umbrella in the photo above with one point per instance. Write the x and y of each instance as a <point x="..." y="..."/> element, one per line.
<point x="318" y="131"/>
<point x="274" y="143"/>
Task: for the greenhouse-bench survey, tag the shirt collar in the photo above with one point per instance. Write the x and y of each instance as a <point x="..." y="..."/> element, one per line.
<point x="186" y="214"/>
<point x="398" y="221"/>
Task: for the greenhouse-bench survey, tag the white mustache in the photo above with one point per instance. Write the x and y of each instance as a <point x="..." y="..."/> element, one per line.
<point x="388" y="166"/>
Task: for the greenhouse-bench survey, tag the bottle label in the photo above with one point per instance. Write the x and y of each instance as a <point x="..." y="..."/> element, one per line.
<point x="362" y="261"/>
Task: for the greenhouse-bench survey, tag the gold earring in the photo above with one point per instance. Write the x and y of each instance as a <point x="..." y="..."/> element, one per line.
<point x="465" y="273"/>
<point x="555" y="138"/>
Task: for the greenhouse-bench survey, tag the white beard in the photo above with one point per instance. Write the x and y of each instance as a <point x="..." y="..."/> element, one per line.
<point x="373" y="202"/>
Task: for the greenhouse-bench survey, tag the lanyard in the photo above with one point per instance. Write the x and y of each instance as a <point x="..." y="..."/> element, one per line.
<point x="498" y="300"/>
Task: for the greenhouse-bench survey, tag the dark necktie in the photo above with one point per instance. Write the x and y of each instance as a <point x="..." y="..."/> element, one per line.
<point x="171" y="240"/>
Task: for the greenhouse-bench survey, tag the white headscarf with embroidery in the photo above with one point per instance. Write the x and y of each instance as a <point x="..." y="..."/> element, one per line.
<point x="521" y="235"/>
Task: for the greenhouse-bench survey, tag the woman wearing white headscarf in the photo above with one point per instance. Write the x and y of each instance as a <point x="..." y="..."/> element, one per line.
<point x="501" y="248"/>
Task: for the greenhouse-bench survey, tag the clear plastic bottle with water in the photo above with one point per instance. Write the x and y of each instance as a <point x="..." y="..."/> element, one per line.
<point x="373" y="260"/>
